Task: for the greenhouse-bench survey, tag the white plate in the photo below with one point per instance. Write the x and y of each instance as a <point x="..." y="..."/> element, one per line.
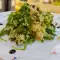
<point x="36" y="51"/>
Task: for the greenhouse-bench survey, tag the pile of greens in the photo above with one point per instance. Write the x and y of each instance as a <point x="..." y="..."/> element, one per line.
<point x="25" y="25"/>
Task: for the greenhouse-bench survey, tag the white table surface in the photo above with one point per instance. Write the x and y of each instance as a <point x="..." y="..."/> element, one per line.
<point x="36" y="51"/>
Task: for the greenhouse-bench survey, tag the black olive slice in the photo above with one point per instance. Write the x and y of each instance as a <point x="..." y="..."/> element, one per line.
<point x="12" y="51"/>
<point x="1" y="24"/>
<point x="58" y="27"/>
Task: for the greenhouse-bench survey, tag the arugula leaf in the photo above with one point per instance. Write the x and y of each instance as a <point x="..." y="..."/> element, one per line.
<point x="50" y="31"/>
<point x="1" y="39"/>
<point x="3" y="32"/>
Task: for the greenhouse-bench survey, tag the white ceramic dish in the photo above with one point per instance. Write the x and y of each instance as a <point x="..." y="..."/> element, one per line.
<point x="36" y="51"/>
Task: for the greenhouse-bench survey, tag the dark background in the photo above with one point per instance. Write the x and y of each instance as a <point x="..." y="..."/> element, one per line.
<point x="6" y="5"/>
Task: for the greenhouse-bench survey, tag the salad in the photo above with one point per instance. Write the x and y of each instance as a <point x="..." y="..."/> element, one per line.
<point x="29" y="24"/>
